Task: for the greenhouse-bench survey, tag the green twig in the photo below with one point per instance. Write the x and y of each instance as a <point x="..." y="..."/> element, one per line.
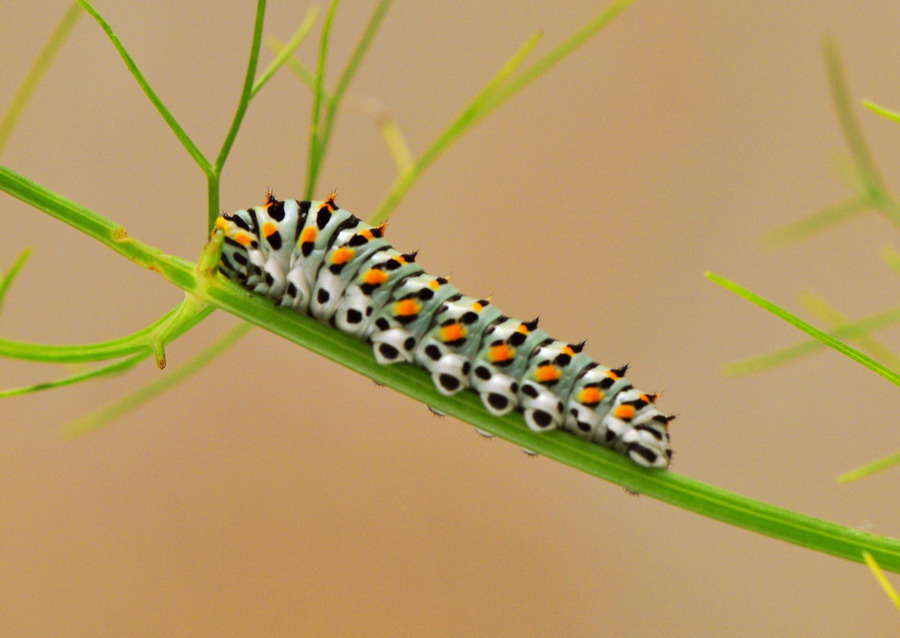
<point x="119" y="408"/>
<point x="882" y="580"/>
<point x="795" y="321"/>
<point x="874" y="187"/>
<point x="246" y="91"/>
<point x="463" y="121"/>
<point x="312" y="168"/>
<point x="667" y="486"/>
<point x="850" y="330"/>
<point x="856" y="142"/>
<point x="333" y="104"/>
<point x="130" y="344"/>
<point x="10" y="276"/>
<point x="889" y="461"/>
<point x="95" y="373"/>
<point x="891" y="257"/>
<point x="286" y="51"/>
<point x="37" y="71"/>
<point x="835" y="320"/>
<point x="179" y="132"/>
<point x="817" y="222"/>
<point x="297" y="68"/>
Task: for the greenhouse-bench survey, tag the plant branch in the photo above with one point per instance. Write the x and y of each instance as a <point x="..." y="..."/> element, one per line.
<point x="666" y="486"/>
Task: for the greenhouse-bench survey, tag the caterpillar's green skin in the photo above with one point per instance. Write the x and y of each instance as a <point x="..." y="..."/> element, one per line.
<point x="321" y="260"/>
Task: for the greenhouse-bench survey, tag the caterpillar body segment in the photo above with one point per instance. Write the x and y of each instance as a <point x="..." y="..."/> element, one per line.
<point x="319" y="259"/>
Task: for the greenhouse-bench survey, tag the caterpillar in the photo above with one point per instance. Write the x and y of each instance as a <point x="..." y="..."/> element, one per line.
<point x="319" y="259"/>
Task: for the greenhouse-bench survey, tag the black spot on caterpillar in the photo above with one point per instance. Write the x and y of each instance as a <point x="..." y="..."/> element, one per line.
<point x="343" y="272"/>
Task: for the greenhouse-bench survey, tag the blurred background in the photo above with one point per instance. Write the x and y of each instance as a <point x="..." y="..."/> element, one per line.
<point x="276" y="493"/>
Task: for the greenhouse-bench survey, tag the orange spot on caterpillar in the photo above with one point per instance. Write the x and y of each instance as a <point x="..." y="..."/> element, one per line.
<point x="523" y="328"/>
<point x="407" y="308"/>
<point x="477" y="307"/>
<point x="329" y="202"/>
<point x="590" y="396"/>
<point x="434" y="284"/>
<point x="270" y="199"/>
<point x="342" y="255"/>
<point x="308" y="235"/>
<point x="547" y="372"/>
<point x="501" y="352"/>
<point x="374" y="276"/>
<point x="243" y="238"/>
<point x="269" y="229"/>
<point x="222" y="223"/>
<point x="452" y="332"/>
<point x="624" y="412"/>
<point x="568" y="350"/>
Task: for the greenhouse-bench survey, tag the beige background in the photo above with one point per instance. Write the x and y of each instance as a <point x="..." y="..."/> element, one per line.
<point x="277" y="493"/>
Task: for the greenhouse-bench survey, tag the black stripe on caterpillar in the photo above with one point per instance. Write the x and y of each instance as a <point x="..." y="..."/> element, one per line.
<point x="321" y="260"/>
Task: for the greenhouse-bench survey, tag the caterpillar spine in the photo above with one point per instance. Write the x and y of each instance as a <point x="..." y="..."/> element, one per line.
<point x="319" y="259"/>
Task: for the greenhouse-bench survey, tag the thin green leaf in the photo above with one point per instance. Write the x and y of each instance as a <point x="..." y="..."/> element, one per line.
<point x="103" y="351"/>
<point x="558" y="54"/>
<point x="315" y="134"/>
<point x="462" y="122"/>
<point x="287" y="51"/>
<point x="852" y="330"/>
<point x="816" y="223"/>
<point x="882" y="111"/>
<point x="391" y="133"/>
<point x="117" y="409"/>
<point x="182" y="136"/>
<point x="891" y="257"/>
<point x="834" y="319"/>
<point x="882" y="580"/>
<point x="825" y="338"/>
<point x="37" y="71"/>
<point x="10" y="276"/>
<point x="667" y="486"/>
<point x="332" y="105"/>
<point x="495" y="95"/>
<point x="874" y="188"/>
<point x="246" y="93"/>
<point x="95" y="373"/>
<point x="892" y="460"/>
<point x="853" y="135"/>
<point x="297" y="68"/>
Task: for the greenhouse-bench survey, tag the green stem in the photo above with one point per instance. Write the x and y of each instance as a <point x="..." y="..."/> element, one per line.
<point x="246" y="93"/>
<point x="312" y="167"/>
<point x="666" y="486"/>
<point x="183" y="137"/>
<point x="136" y="342"/>
<point x="817" y="222"/>
<point x="851" y="330"/>
<point x="463" y="121"/>
<point x="812" y="331"/>
<point x="346" y="78"/>
<point x="119" y="408"/>
<point x="37" y="71"/>
<point x="102" y="371"/>
<point x="285" y="52"/>
<point x="7" y="279"/>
